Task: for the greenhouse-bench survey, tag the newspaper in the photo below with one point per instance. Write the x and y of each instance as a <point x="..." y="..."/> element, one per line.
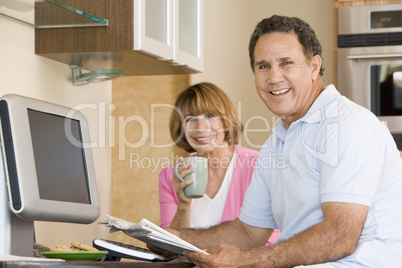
<point x="151" y="234"/>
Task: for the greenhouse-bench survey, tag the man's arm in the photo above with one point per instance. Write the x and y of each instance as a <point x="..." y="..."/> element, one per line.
<point x="234" y="233"/>
<point x="333" y="238"/>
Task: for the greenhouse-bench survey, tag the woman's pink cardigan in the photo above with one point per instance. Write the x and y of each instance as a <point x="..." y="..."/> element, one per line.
<point x="246" y="159"/>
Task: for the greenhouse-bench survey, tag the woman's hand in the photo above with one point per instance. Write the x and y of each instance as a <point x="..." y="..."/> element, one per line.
<point x="182" y="216"/>
<point x="183" y="170"/>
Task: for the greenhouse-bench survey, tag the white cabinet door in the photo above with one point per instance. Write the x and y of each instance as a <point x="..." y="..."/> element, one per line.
<point x="153" y="28"/>
<point x="188" y="34"/>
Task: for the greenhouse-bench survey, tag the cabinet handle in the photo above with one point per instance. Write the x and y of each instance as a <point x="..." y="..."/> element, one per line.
<point x="175" y="63"/>
<point x="169" y="60"/>
<point x="179" y="64"/>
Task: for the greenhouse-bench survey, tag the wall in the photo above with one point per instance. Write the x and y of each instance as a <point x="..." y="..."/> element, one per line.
<point x="24" y="73"/>
<point x="228" y="26"/>
<point x="143" y="105"/>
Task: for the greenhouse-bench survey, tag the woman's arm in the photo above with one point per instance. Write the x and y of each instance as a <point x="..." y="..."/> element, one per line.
<point x="174" y="205"/>
<point x="167" y="197"/>
<point x="182" y="217"/>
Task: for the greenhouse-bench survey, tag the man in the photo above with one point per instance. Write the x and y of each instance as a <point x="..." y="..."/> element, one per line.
<point x="335" y="191"/>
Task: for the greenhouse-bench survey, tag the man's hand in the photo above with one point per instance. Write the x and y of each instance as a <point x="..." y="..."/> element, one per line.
<point x="168" y="255"/>
<point x="223" y="255"/>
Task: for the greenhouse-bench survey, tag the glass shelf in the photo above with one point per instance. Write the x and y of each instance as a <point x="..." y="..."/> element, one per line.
<point x="47" y="14"/>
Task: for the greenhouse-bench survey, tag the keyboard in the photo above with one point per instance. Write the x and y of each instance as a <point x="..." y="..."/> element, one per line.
<point x="117" y="250"/>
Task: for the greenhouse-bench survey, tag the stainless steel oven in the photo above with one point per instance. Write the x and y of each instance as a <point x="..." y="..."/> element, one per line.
<point x="369" y="61"/>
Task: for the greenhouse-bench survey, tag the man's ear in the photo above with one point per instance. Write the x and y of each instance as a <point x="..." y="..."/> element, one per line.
<point x="316" y="63"/>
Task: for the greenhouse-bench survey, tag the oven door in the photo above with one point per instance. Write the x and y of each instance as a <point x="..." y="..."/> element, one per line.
<point x="372" y="77"/>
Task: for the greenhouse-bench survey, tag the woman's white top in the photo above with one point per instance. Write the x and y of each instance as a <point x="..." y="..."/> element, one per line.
<point x="204" y="211"/>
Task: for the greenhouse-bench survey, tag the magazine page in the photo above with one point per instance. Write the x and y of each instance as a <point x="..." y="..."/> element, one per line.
<point x="161" y="233"/>
<point x="152" y="234"/>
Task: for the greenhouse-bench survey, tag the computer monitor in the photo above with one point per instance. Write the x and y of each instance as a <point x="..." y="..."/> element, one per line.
<point x="48" y="170"/>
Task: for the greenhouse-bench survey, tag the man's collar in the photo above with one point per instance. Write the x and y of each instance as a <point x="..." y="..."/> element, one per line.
<point x="313" y="115"/>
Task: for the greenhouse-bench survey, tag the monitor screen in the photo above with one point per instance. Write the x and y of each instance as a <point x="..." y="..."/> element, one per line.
<point x="47" y="161"/>
<point x="48" y="140"/>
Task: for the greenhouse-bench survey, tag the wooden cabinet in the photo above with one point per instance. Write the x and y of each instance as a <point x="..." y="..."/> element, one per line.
<point x="170" y="30"/>
<point x="125" y="44"/>
<point x="188" y="15"/>
<point x="153" y="31"/>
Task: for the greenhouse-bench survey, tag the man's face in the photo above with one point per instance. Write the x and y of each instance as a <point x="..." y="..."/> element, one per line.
<point x="285" y="79"/>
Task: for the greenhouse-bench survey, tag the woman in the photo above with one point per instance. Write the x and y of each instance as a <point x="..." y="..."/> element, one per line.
<point x="205" y="123"/>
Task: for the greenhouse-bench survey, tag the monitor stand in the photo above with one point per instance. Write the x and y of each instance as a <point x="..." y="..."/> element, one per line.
<point x="16" y="234"/>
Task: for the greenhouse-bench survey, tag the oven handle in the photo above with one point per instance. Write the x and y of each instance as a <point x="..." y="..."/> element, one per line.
<point x="374" y="56"/>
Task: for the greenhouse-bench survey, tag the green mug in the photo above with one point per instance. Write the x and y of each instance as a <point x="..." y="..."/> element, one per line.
<point x="200" y="176"/>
